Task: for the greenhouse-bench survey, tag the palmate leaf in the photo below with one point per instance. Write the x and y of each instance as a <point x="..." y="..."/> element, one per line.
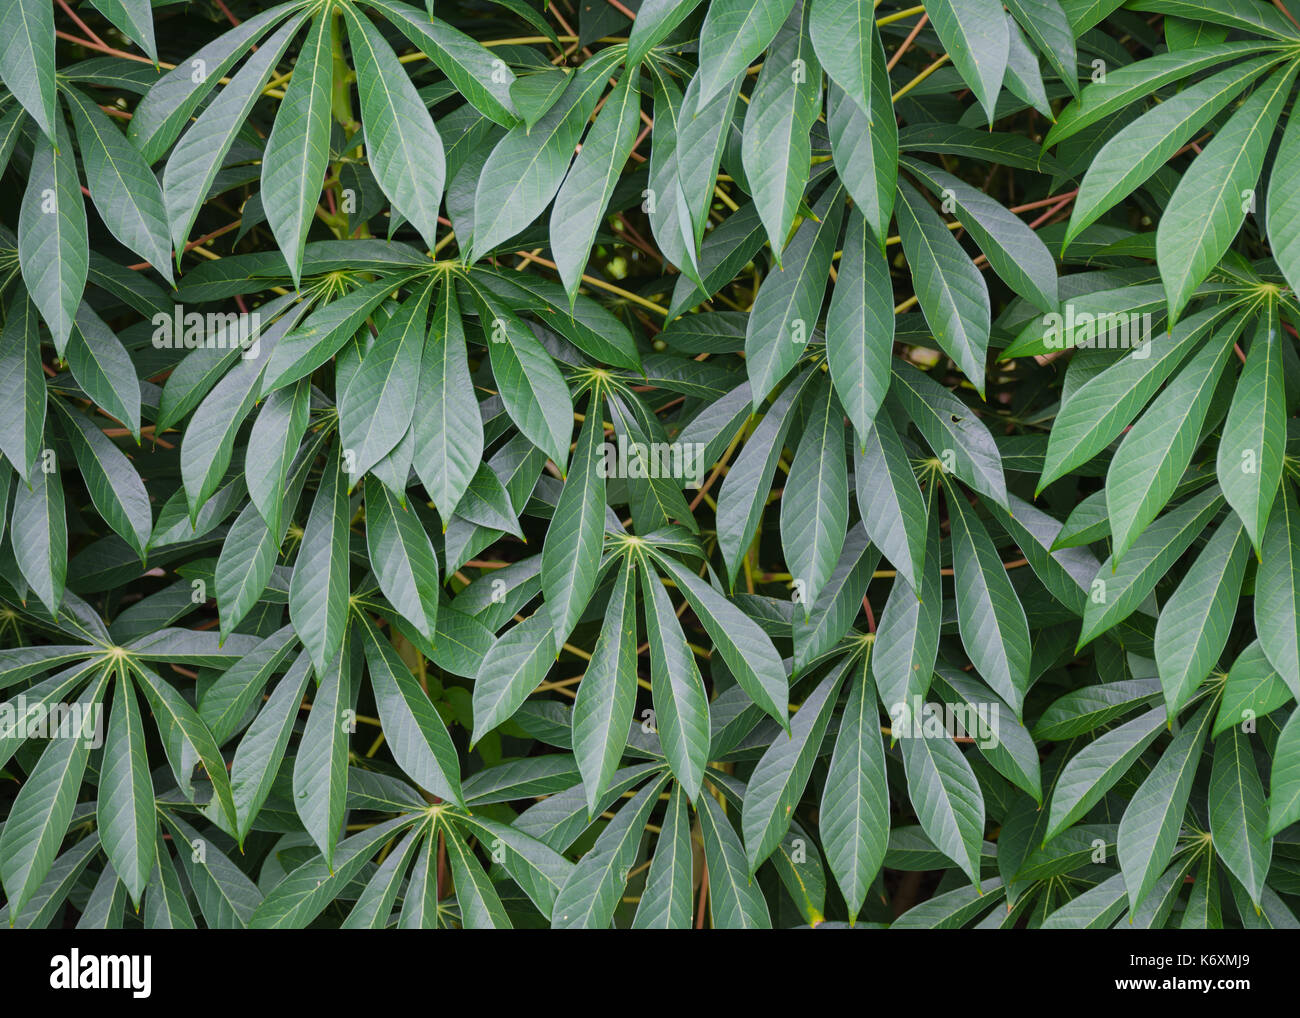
<point x="1157" y="449"/>
<point x="781" y="773"/>
<point x="526" y="168"/>
<point x="194" y="162"/>
<point x="1150" y="826"/>
<point x="1207" y="207"/>
<point x="377" y="406"/>
<point x="356" y="463"/>
<point x="40" y="815"/>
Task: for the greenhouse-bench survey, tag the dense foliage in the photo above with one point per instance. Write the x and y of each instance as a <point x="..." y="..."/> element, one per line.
<point x="730" y="463"/>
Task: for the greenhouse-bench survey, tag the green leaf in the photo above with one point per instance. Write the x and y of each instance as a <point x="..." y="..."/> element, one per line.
<point x="38" y="531"/>
<point x="1196" y="621"/>
<point x="1140" y="148"/>
<point x="1277" y="614"/>
<point x="175" y="715"/>
<point x="42" y="810"/>
<point x="526" y="168"/>
<point x="478" y="74"/>
<point x="606" y="700"/>
<point x="1253" y="446"/>
<point x="297" y="151"/>
<point x="261" y="751"/>
<point x="864" y="145"/>
<point x="27" y="65"/>
<point x="1283" y="203"/>
<point x="403" y="558"/>
<point x="580" y="205"/>
<point x="744" y="647"/>
<point x="776" y="148"/>
<point x="448" y="443"/>
<point x="1284" y="783"/>
<point x="1153" y="819"/>
<point x="680" y="701"/>
<point x="1252" y="689"/>
<point x="320" y="770"/>
<point x="405" y="151"/>
<point x="1118" y="590"/>
<point x="991" y="621"/>
<point x="115" y="488"/>
<point x="378" y="403"/>
<point x="744" y="490"/>
<point x="272" y="445"/>
<point x="103" y="368"/>
<point x="301" y="896"/>
<point x="167" y="107"/>
<point x="975" y="34"/>
<point x="655" y="21"/>
<point x="789" y="302"/>
<point x="411" y="725"/>
<point x="125" y="809"/>
<point x="53" y="247"/>
<point x="571" y="552"/>
<point x="947" y="797"/>
<point x="1207" y="208"/>
<point x="815" y="514"/>
<point x="530" y="384"/>
<point x="1099" y="409"/>
<point x="781" y="774"/>
<point x="1015" y="251"/>
<point x="480" y="906"/>
<point x="591" y="893"/>
<point x="949" y="426"/>
<point x="318" y="593"/>
<point x="1157" y="450"/>
<point x="907" y="638"/>
<point x="125" y="191"/>
<point x="193" y="164"/>
<point x="860" y="328"/>
<point x="951" y="291"/>
<point x="735" y="901"/>
<point x="22" y="386"/>
<point x="854" y="817"/>
<point x="1046" y="24"/>
<point x="666" y="900"/>
<point x="1238" y="814"/>
<point x="511" y="669"/>
<point x="733" y="34"/>
<point x="843" y="34"/>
